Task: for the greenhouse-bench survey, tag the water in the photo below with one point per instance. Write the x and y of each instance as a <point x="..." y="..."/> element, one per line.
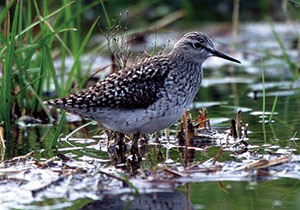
<point x="81" y="169"/>
<point x="277" y="194"/>
<point x="206" y="193"/>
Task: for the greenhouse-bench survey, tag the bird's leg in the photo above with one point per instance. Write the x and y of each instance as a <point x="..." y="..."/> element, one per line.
<point x="144" y="145"/>
<point x="135" y="162"/>
<point x="134" y="148"/>
<point x="157" y="135"/>
<point x="121" y="148"/>
<point x="116" y="147"/>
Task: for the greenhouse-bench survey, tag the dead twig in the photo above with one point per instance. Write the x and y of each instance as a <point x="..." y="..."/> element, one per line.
<point x="259" y="164"/>
<point x="239" y="124"/>
<point x="118" y="45"/>
<point x="41" y="189"/>
<point x="233" y="132"/>
<point x="187" y="187"/>
<point x="273" y="162"/>
<point x="113" y="176"/>
<point x="222" y="187"/>
<point x="218" y="155"/>
<point x="2" y="136"/>
<point x="203" y="121"/>
<point x="176" y="173"/>
<point x="2" y="142"/>
<point x="211" y="169"/>
<point x="27" y="155"/>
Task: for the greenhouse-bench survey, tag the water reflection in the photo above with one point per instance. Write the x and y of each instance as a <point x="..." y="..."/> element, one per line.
<point x="277" y="194"/>
<point x="155" y="201"/>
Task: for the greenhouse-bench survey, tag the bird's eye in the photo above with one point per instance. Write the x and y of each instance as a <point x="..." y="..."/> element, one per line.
<point x="197" y="45"/>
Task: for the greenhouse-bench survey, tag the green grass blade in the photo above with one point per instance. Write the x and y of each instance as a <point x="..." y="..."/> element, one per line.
<point x="273" y="108"/>
<point x="296" y="2"/>
<point x="286" y="57"/>
<point x="273" y="132"/>
<point x="29" y="54"/>
<point x="136" y="191"/>
<point x="18" y="60"/>
<point x="80" y="127"/>
<point x="3" y="39"/>
<point x="20" y="22"/>
<point x="25" y="87"/>
<point x="105" y="14"/>
<point x="293" y="139"/>
<point x="74" y="38"/>
<point x="23" y="49"/>
<point x="28" y="29"/>
<point x="52" y="70"/>
<point x="66" y="22"/>
<point x="58" y="129"/>
<point x="45" y="18"/>
<point x="28" y="21"/>
<point x="294" y="11"/>
<point x="7" y="75"/>
<point x="5" y="10"/>
<point x="45" y="8"/>
<point x="40" y="100"/>
<point x="264" y="101"/>
<point x="77" y="57"/>
<point x="40" y="83"/>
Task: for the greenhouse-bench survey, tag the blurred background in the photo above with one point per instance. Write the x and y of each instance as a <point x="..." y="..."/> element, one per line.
<point x="193" y="13"/>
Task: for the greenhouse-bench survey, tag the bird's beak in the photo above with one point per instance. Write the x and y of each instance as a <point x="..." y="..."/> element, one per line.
<point x="224" y="56"/>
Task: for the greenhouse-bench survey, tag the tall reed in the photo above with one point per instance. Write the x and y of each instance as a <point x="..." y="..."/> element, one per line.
<point x="30" y="33"/>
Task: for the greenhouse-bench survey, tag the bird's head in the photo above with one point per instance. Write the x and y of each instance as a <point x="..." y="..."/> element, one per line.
<point x="197" y="47"/>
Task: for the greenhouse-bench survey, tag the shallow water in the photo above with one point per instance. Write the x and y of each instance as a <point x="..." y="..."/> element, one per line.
<point x="40" y="183"/>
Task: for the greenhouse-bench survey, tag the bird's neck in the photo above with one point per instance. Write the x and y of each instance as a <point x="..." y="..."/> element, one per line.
<point x="192" y="78"/>
<point x="190" y="71"/>
<point x="190" y="68"/>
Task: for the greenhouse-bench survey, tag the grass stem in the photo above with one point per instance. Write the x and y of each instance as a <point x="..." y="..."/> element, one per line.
<point x="264" y="101"/>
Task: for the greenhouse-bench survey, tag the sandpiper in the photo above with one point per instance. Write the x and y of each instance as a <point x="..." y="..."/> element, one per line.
<point x="149" y="96"/>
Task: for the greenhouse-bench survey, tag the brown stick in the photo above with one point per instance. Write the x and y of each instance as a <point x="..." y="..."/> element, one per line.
<point x="2" y="143"/>
<point x="239" y="124"/>
<point x="2" y="137"/>
<point x="233" y="132"/>
<point x="176" y="173"/>
<point x="217" y="155"/>
<point x="187" y="187"/>
<point x="222" y="186"/>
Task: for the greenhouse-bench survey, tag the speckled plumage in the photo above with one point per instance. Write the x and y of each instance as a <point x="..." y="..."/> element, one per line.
<point x="135" y="87"/>
<point x="149" y="96"/>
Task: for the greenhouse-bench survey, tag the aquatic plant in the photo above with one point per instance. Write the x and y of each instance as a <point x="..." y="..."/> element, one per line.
<point x="26" y="55"/>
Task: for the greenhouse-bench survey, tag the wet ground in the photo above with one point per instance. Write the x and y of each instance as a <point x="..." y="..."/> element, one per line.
<point x="259" y="169"/>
